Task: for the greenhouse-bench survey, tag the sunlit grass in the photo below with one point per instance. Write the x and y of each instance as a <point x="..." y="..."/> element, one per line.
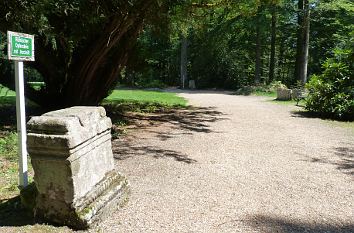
<point x="4" y="91"/>
<point x="265" y="93"/>
<point x="164" y="98"/>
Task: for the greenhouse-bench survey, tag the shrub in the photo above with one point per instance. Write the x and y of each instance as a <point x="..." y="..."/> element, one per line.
<point x="273" y="86"/>
<point x="331" y="93"/>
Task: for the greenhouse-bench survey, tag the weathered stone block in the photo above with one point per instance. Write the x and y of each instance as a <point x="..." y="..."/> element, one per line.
<point x="283" y="94"/>
<point x="72" y="158"/>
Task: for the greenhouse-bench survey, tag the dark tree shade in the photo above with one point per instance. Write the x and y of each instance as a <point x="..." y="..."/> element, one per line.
<point x="81" y="46"/>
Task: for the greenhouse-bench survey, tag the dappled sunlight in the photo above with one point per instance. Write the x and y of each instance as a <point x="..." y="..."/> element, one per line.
<point x="177" y="122"/>
<point x="192" y="119"/>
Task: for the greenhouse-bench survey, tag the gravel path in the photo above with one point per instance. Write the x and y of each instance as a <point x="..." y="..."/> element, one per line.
<point x="237" y="164"/>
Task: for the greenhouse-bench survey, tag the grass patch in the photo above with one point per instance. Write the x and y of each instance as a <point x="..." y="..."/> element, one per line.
<point x="7" y="101"/>
<point x="265" y="93"/>
<point x="289" y="102"/>
<point x="141" y="96"/>
<point x="121" y="102"/>
<point x="9" y="165"/>
<point x="37" y="85"/>
<point x="259" y="90"/>
<point x="7" y="97"/>
<point x="6" y="92"/>
<point x="143" y="101"/>
<point x="8" y="145"/>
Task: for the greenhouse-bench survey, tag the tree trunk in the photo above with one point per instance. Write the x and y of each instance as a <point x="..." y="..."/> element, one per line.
<point x="272" y="45"/>
<point x="258" y="47"/>
<point x="184" y="60"/>
<point x="258" y="64"/>
<point x="99" y="70"/>
<point x="281" y="62"/>
<point x="302" y="41"/>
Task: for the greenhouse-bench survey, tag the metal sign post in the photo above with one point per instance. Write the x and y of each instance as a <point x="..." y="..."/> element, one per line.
<point x="21" y="124"/>
<point x="21" y="48"/>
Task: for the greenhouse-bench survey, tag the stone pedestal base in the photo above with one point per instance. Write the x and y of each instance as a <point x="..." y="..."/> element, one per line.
<point x="106" y="197"/>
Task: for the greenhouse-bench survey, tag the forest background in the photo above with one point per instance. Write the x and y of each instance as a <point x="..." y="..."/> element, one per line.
<point x="83" y="51"/>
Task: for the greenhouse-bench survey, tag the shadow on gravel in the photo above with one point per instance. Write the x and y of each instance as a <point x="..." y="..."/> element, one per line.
<point x="347" y="159"/>
<point x="344" y="160"/>
<point x="13" y="214"/>
<point x="124" y="150"/>
<point x="179" y="122"/>
<point x="306" y="114"/>
<point x="191" y="119"/>
<point x="278" y="224"/>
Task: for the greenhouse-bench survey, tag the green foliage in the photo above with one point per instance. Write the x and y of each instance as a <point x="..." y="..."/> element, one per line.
<point x="36" y="85"/>
<point x="221" y="41"/>
<point x="153" y="83"/>
<point x="332" y="92"/>
<point x="261" y="90"/>
<point x="331" y="24"/>
<point x="150" y="64"/>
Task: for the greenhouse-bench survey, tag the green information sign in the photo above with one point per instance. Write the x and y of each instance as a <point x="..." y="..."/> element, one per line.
<point x="20" y="46"/>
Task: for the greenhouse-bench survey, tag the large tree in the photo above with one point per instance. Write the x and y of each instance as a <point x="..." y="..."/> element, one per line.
<point x="81" y="46"/>
<point x="302" y="48"/>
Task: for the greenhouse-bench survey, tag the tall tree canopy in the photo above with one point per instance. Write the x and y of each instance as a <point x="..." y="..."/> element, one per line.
<point x="236" y="43"/>
<point x="81" y="46"/>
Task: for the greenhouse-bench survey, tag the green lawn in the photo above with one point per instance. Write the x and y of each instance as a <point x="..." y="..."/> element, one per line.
<point x="36" y="85"/>
<point x="7" y="97"/>
<point x="9" y="166"/>
<point x="136" y="96"/>
<point x="4" y="91"/>
<point x="288" y="102"/>
<point x="141" y="96"/>
<point x="265" y="93"/>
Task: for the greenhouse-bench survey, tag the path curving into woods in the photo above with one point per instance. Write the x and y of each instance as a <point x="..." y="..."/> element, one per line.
<point x="236" y="164"/>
